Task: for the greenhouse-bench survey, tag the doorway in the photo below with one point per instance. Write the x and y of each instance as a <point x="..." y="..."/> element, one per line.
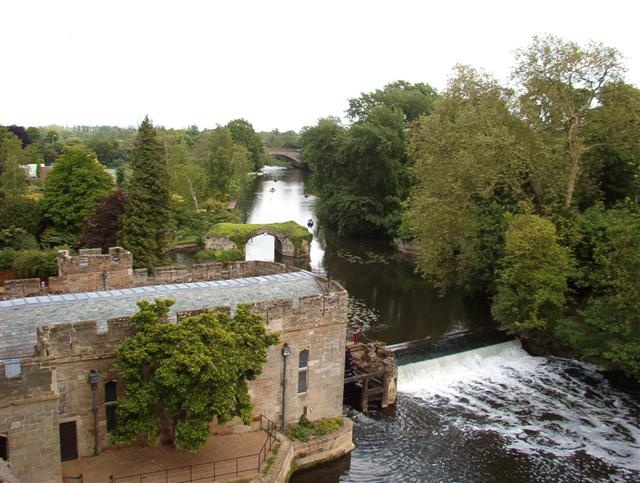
<point x="68" y="441"/>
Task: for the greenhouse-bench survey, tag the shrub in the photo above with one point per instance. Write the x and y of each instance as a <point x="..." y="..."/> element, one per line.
<point x="300" y="433"/>
<point x="7" y="256"/>
<point x="326" y="426"/>
<point x="17" y="238"/>
<point x="34" y="263"/>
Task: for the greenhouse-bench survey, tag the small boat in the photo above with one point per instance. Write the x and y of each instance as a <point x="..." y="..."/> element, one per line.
<point x="272" y="190"/>
<point x="306" y="195"/>
<point x="310" y="223"/>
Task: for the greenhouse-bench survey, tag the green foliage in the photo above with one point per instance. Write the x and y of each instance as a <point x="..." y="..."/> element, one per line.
<point x="13" y="180"/>
<point x="186" y="374"/>
<point x="232" y="255"/>
<point x="53" y="237"/>
<point x="413" y="100"/>
<point x="532" y="278"/>
<point x="76" y="183"/>
<point x="226" y="163"/>
<point x="147" y="218"/>
<point x="360" y="174"/>
<point x="7" y="256"/>
<point x="17" y="238"/>
<point x="242" y="133"/>
<point x="21" y="212"/>
<point x="606" y="246"/>
<point x="34" y="263"/>
<point x="305" y="428"/>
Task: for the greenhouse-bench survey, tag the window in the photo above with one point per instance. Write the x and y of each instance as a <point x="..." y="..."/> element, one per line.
<point x="303" y="371"/>
<point x="110" y="404"/>
<point x="4" y="447"/>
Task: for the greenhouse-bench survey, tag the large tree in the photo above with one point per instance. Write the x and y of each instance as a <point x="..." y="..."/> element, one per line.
<point x="532" y="278"/>
<point x="559" y="82"/>
<point x="182" y="376"/>
<point x="147" y="218"/>
<point x="13" y="179"/>
<point x="102" y="228"/>
<point x="77" y="182"/>
<point x="243" y="134"/>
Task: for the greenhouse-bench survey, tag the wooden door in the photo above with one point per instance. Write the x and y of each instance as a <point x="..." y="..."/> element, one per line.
<point x="68" y="441"/>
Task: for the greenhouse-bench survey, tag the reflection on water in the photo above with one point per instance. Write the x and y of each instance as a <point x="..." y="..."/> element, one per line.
<point x="388" y="300"/>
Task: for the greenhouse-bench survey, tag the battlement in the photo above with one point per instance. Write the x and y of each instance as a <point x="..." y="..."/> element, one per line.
<point x="92" y="260"/>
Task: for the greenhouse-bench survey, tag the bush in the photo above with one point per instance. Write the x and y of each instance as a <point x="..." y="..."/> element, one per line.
<point x="305" y="428"/>
<point x="232" y="255"/>
<point x="7" y="256"/>
<point x="326" y="426"/>
<point x="35" y="263"/>
<point x="17" y="238"/>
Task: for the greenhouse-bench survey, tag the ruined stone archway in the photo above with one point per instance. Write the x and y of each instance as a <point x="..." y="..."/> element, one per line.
<point x="290" y="239"/>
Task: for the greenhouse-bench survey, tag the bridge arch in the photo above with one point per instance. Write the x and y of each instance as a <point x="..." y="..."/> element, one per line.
<point x="290" y="239"/>
<point x="294" y="155"/>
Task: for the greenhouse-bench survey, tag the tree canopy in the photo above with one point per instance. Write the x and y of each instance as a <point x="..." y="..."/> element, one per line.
<point x="146" y="222"/>
<point x="184" y="375"/>
<point x="76" y="183"/>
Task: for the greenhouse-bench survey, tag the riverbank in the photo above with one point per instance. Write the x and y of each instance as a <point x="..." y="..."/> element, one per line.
<point x="297" y="455"/>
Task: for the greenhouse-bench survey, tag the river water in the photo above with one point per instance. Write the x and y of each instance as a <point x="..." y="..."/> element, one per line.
<point x="489" y="414"/>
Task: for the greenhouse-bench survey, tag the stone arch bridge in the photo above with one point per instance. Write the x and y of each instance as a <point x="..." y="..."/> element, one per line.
<point x="293" y="155"/>
<point x="291" y="239"/>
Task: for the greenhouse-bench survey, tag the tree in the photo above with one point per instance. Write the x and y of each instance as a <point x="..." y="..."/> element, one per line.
<point x="147" y="218"/>
<point x="413" y="100"/>
<point x="227" y="163"/>
<point x="471" y="168"/>
<point x="13" y="179"/>
<point x="560" y="81"/>
<point x="77" y="182"/>
<point x="184" y="375"/>
<point x="21" y="212"/>
<point x="242" y="133"/>
<point x="606" y="327"/>
<point x="102" y="228"/>
<point x="532" y="278"/>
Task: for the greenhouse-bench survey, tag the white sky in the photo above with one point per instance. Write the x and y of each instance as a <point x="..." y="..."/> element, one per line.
<point x="278" y="64"/>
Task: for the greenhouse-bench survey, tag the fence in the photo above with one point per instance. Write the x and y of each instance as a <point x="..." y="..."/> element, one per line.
<point x="236" y="467"/>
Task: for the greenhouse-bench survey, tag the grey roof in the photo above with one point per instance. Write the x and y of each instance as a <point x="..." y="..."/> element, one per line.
<point x="20" y="317"/>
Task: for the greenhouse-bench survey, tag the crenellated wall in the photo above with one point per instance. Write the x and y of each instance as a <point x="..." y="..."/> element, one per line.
<point x="91" y="271"/>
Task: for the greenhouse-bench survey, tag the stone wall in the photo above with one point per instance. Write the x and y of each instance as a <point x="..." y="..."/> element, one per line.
<point x="86" y="271"/>
<point x="29" y="420"/>
<point x="218" y="242"/>
<point x="22" y="287"/>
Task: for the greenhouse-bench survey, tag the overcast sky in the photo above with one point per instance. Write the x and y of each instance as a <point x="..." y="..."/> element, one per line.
<point x="278" y="64"/>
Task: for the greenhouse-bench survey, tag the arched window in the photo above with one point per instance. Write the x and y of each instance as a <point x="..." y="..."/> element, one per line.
<point x="4" y="447"/>
<point x="110" y="404"/>
<point x="303" y="371"/>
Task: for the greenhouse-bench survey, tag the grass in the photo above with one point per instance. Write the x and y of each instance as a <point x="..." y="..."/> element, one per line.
<point x="305" y="429"/>
<point x="271" y="459"/>
<point x="232" y="255"/>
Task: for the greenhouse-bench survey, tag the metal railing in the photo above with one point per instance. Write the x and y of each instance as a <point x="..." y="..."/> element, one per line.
<point x="238" y="466"/>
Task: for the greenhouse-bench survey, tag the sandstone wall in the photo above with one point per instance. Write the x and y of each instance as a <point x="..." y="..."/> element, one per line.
<point x="22" y="287"/>
<point x="29" y="419"/>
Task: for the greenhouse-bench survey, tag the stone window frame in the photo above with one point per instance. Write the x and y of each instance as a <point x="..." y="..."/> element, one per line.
<point x="110" y="404"/>
<point x="303" y="371"/>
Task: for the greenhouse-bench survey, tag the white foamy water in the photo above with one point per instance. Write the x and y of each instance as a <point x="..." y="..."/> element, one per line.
<point x="537" y="404"/>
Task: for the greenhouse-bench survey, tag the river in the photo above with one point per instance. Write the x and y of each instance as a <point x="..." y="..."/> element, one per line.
<point x="489" y="414"/>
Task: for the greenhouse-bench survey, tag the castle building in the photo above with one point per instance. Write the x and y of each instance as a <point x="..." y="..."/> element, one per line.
<point x="57" y="347"/>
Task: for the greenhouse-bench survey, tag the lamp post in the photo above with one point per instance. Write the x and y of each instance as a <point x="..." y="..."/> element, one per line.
<point x="93" y="380"/>
<point x="286" y="352"/>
